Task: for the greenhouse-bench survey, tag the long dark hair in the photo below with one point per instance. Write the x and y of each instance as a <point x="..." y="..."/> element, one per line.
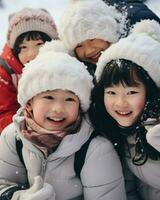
<point x="30" y="35"/>
<point x="124" y="72"/>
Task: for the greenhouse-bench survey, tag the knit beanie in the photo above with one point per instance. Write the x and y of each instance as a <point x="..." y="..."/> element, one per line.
<point x="29" y="19"/>
<point x="142" y="47"/>
<point x="89" y="19"/>
<point x="55" y="70"/>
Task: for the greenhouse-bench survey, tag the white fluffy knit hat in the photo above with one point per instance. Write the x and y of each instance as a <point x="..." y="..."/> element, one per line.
<point x="142" y="47"/>
<point x="29" y="19"/>
<point x="89" y="19"/>
<point x="55" y="70"/>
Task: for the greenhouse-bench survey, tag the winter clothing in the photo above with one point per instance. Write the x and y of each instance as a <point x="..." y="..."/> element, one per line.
<point x="20" y="22"/>
<point x="54" y="170"/>
<point x="47" y="71"/>
<point x="153" y="137"/>
<point x="8" y="97"/>
<point x="89" y="19"/>
<point x="29" y="19"/>
<point x="101" y="175"/>
<point x="136" y="10"/>
<point x="141" y="47"/>
<point x="39" y="190"/>
<point x="148" y="175"/>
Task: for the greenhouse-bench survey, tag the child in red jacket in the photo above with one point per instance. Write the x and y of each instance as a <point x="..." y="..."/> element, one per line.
<point x="28" y="30"/>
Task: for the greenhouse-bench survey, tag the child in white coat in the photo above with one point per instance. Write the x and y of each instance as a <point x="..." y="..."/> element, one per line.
<point x="126" y="103"/>
<point x="54" y="92"/>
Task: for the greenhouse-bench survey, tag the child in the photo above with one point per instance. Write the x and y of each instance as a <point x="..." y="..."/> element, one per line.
<point x="89" y="27"/>
<point x="28" y="30"/>
<point x="54" y="92"/>
<point x="126" y="101"/>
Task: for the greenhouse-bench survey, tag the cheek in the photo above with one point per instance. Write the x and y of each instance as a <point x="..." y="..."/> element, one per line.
<point x="79" y="53"/>
<point x="107" y="103"/>
<point x="39" y="111"/>
<point x="139" y="106"/>
<point x="73" y="113"/>
<point x="106" y="45"/>
<point x="22" y="58"/>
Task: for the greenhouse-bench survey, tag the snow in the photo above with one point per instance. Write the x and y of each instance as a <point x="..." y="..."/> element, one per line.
<point x="55" y="7"/>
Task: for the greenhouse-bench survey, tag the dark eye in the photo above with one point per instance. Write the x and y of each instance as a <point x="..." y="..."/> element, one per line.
<point x="48" y="97"/>
<point x="110" y="92"/>
<point x="70" y="99"/>
<point x="78" y="46"/>
<point x="22" y="47"/>
<point x="40" y="43"/>
<point x="132" y="92"/>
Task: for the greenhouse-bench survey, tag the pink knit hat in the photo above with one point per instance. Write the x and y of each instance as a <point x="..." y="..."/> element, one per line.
<point x="29" y="19"/>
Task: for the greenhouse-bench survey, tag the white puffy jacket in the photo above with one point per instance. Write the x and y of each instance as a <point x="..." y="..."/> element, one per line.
<point x="101" y="175"/>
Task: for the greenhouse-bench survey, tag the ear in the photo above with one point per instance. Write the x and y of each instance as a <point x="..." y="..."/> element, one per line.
<point x="29" y="105"/>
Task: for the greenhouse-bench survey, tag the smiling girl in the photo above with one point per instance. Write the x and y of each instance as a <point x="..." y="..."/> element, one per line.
<point x="126" y="104"/>
<point x="52" y="124"/>
<point x="28" y="30"/>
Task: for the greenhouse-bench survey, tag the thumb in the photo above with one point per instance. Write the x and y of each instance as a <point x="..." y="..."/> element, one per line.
<point x="37" y="185"/>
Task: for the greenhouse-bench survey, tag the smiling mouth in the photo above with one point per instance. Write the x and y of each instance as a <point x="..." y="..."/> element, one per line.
<point x="56" y="120"/>
<point x="123" y="113"/>
<point x="95" y="57"/>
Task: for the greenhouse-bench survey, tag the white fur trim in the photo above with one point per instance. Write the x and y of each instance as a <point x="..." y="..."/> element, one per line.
<point x="53" y="46"/>
<point x="149" y="27"/>
<point x="50" y="71"/>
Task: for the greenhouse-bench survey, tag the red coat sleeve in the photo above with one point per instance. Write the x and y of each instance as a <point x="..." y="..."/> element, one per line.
<point x="8" y="99"/>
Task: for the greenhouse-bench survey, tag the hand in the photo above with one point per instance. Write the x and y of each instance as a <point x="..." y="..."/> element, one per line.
<point x="38" y="191"/>
<point x="153" y="137"/>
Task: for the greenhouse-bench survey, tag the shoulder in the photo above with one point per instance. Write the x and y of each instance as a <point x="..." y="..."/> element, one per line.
<point x="101" y="159"/>
<point x="102" y="152"/>
<point x="98" y="143"/>
<point x="8" y="136"/>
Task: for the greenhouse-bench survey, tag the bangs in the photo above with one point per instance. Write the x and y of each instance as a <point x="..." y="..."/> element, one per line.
<point x="35" y="35"/>
<point x="32" y="35"/>
<point x="121" y="72"/>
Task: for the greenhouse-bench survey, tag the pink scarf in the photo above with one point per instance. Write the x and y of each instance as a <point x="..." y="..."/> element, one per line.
<point x="45" y="140"/>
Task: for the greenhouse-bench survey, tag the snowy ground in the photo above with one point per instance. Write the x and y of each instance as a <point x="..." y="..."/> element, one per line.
<point x="55" y="7"/>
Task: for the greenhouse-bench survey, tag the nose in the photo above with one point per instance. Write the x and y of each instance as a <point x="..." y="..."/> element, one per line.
<point x="89" y="49"/>
<point x="89" y="52"/>
<point x="121" y="101"/>
<point x="32" y="53"/>
<point x="58" y="108"/>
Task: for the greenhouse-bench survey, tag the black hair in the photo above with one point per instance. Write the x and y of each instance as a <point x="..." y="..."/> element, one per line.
<point x="127" y="73"/>
<point x="30" y="35"/>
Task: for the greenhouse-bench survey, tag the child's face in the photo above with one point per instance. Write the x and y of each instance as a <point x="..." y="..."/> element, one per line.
<point x="125" y="104"/>
<point x="29" y="50"/>
<point x="55" y="110"/>
<point x="90" y="50"/>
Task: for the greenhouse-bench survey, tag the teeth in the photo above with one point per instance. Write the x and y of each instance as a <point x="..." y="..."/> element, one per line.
<point x="123" y="113"/>
<point x="56" y="119"/>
